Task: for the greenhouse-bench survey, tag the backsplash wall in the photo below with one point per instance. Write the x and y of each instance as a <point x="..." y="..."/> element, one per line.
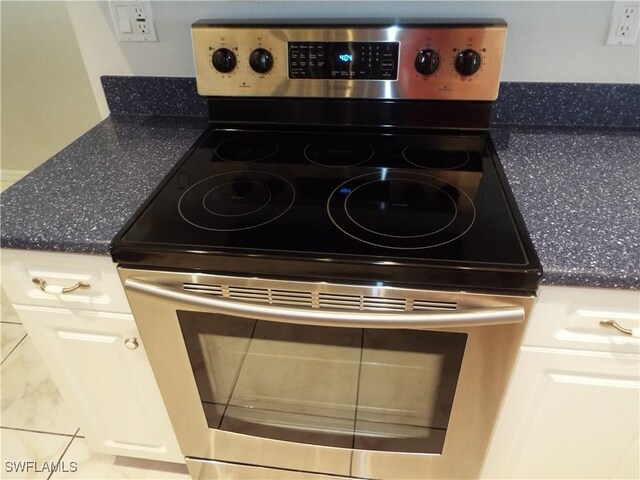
<point x="522" y="104"/>
<point x="547" y="41"/>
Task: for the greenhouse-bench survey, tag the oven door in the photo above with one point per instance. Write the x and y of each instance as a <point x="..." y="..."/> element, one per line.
<point x="319" y="378"/>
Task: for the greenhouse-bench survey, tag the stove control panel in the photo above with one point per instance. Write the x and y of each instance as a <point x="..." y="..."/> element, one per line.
<point x="344" y="60"/>
<point x="448" y="60"/>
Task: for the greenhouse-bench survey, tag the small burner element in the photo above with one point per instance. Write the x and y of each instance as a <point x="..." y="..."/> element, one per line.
<point x="246" y="149"/>
<point x="424" y="155"/>
<point x="338" y="152"/>
<point x="236" y="201"/>
<point x="401" y="210"/>
<point x="237" y="198"/>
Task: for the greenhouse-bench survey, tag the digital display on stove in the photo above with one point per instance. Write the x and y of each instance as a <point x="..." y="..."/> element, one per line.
<point x="344" y="60"/>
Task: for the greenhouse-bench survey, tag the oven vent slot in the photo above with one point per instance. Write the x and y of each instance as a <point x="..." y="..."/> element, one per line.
<point x="359" y="302"/>
<point x="430" y="305"/>
<point x="215" y="290"/>
<point x="291" y="297"/>
<point x="342" y="302"/>
<point x="384" y="304"/>
<point x="260" y="295"/>
<point x="308" y="299"/>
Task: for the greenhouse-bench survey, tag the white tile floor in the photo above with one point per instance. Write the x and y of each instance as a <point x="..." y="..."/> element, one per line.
<point x="36" y="426"/>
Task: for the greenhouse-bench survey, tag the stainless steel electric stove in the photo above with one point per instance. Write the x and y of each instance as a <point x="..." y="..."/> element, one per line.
<point x="343" y="220"/>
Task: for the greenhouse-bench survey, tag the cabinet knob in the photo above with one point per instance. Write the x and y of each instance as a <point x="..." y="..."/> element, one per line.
<point x="57" y="289"/>
<point x="131" y="343"/>
<point x="634" y="332"/>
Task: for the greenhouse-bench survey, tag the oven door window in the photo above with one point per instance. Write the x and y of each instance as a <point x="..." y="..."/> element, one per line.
<point x="387" y="390"/>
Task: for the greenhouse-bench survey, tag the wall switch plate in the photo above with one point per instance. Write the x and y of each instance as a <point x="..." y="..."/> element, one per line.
<point x="133" y="20"/>
<point x="625" y="23"/>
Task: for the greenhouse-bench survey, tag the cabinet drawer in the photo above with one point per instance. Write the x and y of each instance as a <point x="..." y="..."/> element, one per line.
<point x="569" y="318"/>
<point x="104" y="293"/>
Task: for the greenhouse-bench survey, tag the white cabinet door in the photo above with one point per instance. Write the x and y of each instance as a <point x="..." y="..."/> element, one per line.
<point x="570" y="415"/>
<point x="572" y="408"/>
<point x="109" y="386"/>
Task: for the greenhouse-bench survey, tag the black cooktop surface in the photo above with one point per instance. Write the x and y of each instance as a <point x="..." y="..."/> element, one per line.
<point x="332" y="197"/>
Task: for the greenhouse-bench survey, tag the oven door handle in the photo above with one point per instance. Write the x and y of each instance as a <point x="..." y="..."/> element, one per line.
<point x="331" y="318"/>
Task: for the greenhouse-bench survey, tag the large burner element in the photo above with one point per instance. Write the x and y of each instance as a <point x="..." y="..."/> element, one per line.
<point x="401" y="210"/>
<point x="236" y="201"/>
<point x="246" y="149"/>
<point x="338" y="152"/>
<point x="395" y="199"/>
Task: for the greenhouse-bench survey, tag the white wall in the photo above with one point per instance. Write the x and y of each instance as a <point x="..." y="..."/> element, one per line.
<point x="47" y="100"/>
<point x="554" y="41"/>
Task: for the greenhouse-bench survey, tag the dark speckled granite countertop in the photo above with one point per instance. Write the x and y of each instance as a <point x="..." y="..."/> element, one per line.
<point x="577" y="189"/>
<point x="79" y="199"/>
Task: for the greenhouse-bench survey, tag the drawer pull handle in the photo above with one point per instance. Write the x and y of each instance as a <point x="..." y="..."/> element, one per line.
<point x="56" y="289"/>
<point x="634" y="332"/>
<point x="131" y="343"/>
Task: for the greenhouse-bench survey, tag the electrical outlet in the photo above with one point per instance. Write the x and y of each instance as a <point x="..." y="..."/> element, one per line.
<point x="142" y="27"/>
<point x="133" y="20"/>
<point x="628" y="18"/>
<point x="138" y="13"/>
<point x="625" y="23"/>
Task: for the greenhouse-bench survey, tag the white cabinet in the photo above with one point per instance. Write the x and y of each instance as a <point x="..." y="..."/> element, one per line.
<point x="105" y="293"/>
<point x="93" y="351"/>
<point x="573" y="405"/>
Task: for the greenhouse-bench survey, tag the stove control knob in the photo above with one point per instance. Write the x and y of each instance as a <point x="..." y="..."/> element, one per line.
<point x="427" y="62"/>
<point x="224" y="60"/>
<point x="468" y="62"/>
<point x="261" y="60"/>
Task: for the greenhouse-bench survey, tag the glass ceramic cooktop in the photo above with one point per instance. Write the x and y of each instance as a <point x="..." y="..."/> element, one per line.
<point x="327" y="195"/>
